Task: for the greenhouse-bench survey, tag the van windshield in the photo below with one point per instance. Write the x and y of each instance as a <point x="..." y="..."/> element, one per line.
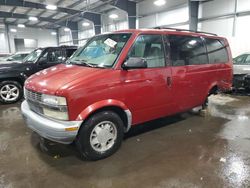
<point x="100" y="51"/>
<point x="33" y="56"/>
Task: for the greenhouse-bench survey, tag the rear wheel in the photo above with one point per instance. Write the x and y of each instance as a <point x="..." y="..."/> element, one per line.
<point x="100" y="136"/>
<point x="10" y="92"/>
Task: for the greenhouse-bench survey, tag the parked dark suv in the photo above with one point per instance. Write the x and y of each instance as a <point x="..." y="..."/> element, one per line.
<point x="13" y="75"/>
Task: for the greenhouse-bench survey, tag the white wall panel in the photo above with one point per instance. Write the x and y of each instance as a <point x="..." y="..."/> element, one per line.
<point x="216" y="7"/>
<point x="147" y="21"/>
<point x="3" y="46"/>
<point x="165" y="18"/>
<point x="43" y="37"/>
<point x="243" y="5"/>
<point x="173" y="17"/>
<point x="222" y="27"/>
<point x="147" y="7"/>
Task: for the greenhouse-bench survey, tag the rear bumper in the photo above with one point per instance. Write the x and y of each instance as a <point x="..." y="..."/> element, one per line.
<point x="50" y="129"/>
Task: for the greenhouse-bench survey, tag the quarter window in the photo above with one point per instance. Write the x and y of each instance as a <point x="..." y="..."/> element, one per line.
<point x="217" y="51"/>
<point x="149" y="47"/>
<point x="187" y="50"/>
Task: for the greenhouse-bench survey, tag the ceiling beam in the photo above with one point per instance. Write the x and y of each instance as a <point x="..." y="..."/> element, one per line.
<point x="28" y="4"/>
<point x="25" y="16"/>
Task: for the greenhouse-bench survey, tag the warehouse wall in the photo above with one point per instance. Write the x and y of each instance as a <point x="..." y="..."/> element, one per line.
<point x="173" y="14"/>
<point x="3" y="40"/>
<point x="85" y="32"/>
<point x="43" y="37"/>
<point x="220" y="19"/>
<point x="109" y="24"/>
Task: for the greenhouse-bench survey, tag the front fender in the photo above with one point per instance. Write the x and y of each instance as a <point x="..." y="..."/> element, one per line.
<point x="13" y="75"/>
<point x="98" y="105"/>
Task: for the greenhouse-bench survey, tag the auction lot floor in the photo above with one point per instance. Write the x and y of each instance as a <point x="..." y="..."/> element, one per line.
<point x="187" y="150"/>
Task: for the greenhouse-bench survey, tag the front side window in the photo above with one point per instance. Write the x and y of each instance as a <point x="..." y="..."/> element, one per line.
<point x="217" y="51"/>
<point x="100" y="51"/>
<point x="150" y="48"/>
<point x="187" y="50"/>
<point x="33" y="56"/>
<point x="55" y="56"/>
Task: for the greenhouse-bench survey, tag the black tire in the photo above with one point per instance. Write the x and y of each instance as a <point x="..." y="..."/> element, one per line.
<point x="83" y="138"/>
<point x="12" y="83"/>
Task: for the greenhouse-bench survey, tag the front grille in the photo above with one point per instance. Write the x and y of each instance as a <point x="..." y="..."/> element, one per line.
<point x="34" y="99"/>
<point x="33" y="96"/>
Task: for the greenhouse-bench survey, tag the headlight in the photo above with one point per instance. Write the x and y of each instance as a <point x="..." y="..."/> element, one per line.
<point x="54" y="100"/>
<point x="55" y="114"/>
<point x="55" y="107"/>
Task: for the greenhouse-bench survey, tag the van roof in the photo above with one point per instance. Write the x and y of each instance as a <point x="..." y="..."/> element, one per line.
<point x="172" y="31"/>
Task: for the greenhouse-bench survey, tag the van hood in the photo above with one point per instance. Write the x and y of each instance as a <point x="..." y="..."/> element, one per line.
<point x="50" y="80"/>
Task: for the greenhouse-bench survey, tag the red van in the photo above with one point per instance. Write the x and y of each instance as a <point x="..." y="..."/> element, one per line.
<point x="121" y="79"/>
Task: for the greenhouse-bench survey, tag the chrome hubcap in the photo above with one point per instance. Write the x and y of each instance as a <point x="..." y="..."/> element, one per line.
<point x="9" y="92"/>
<point x="103" y="136"/>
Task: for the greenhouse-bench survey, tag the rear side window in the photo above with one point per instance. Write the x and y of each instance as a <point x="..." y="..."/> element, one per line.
<point x="187" y="50"/>
<point x="217" y="51"/>
<point x="149" y="47"/>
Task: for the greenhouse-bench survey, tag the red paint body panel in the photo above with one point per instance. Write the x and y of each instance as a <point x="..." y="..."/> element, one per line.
<point x="145" y="92"/>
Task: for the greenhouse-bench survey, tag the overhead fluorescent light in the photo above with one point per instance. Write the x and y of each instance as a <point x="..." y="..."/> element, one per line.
<point x="66" y="29"/>
<point x="85" y="24"/>
<point x="159" y="2"/>
<point x="51" y="7"/>
<point x="13" y="30"/>
<point x="113" y="16"/>
<point x="53" y="33"/>
<point x="32" y="18"/>
<point x="21" y="25"/>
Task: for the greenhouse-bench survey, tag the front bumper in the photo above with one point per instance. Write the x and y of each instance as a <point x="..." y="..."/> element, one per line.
<point x="50" y="129"/>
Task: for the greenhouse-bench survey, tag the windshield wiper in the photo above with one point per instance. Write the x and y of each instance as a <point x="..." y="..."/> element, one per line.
<point x="83" y="63"/>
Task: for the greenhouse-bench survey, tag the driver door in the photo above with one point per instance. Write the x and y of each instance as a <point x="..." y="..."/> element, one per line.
<point x="148" y="91"/>
<point x="50" y="58"/>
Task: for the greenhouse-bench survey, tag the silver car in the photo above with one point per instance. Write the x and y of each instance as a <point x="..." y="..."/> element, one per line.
<point x="241" y="68"/>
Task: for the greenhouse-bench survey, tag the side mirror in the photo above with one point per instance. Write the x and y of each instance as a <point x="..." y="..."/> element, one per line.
<point x="135" y="63"/>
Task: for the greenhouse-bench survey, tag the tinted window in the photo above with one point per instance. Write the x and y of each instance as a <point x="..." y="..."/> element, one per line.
<point x="69" y="52"/>
<point x="55" y="56"/>
<point x="217" y="51"/>
<point x="149" y="47"/>
<point x="187" y="50"/>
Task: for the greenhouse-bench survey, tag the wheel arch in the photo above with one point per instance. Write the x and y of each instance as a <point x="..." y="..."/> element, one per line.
<point x="108" y="105"/>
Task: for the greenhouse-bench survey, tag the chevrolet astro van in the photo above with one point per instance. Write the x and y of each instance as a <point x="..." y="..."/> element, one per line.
<point x="120" y="79"/>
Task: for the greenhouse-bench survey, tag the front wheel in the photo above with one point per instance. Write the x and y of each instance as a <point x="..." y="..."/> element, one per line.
<point x="10" y="92"/>
<point x="100" y="136"/>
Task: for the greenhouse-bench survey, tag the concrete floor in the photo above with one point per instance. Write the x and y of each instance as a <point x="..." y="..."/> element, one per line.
<point x="182" y="151"/>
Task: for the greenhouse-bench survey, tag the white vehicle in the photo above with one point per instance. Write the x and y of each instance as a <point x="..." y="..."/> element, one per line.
<point x="241" y="68"/>
<point x="17" y="57"/>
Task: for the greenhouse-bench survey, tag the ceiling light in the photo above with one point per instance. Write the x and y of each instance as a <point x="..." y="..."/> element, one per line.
<point x="85" y="24"/>
<point x="113" y="16"/>
<point x="159" y="2"/>
<point x="53" y="33"/>
<point x="32" y="18"/>
<point x="21" y="25"/>
<point x="13" y="30"/>
<point x="66" y="29"/>
<point x="51" y="7"/>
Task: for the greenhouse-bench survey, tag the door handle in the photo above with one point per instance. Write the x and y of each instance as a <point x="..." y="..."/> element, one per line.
<point x="169" y="81"/>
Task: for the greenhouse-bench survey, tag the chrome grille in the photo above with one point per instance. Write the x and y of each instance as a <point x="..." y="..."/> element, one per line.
<point x="34" y="99"/>
<point x="33" y="96"/>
